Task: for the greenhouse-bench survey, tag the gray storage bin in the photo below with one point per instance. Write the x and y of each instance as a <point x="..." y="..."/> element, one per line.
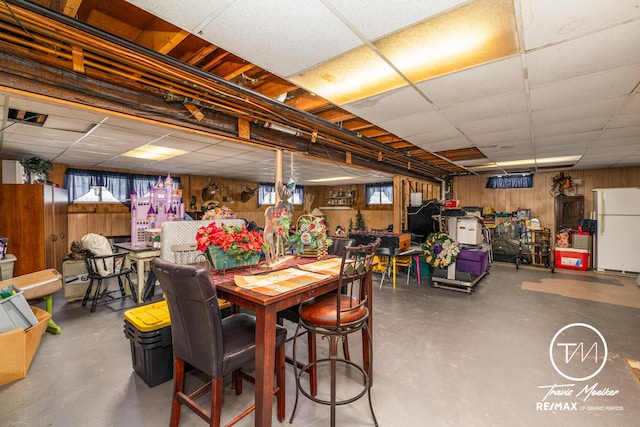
<point x="15" y="311"/>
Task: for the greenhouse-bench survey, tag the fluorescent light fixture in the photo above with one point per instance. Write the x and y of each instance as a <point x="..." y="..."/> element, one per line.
<point x="335" y="178"/>
<point x="154" y="152"/>
<point x="528" y="162"/>
<point x="476" y="33"/>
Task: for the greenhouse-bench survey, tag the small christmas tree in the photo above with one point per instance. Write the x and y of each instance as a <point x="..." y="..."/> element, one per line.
<point x="359" y="222"/>
<point x="350" y="231"/>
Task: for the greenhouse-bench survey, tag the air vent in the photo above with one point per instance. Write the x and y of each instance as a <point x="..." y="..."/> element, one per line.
<point x="27" y="117"/>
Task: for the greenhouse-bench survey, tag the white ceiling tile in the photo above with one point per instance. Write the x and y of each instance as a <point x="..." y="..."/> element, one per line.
<point x="625" y="120"/>
<point x="614" y="48"/>
<point x="285" y="37"/>
<point x="438" y="135"/>
<point x="495" y="124"/>
<point x="445" y="145"/>
<point x="507" y="136"/>
<point x="626" y="132"/>
<point x="502" y="105"/>
<point x="479" y="82"/>
<point x="603" y="107"/>
<point x="549" y="22"/>
<point x="572" y="126"/>
<point x="390" y="105"/>
<point x="366" y="15"/>
<point x="187" y="14"/>
<point x="594" y="87"/>
<point x="414" y="124"/>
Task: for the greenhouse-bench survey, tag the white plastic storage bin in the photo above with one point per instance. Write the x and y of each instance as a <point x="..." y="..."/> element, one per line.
<point x="6" y="267"/>
<point x="469" y="231"/>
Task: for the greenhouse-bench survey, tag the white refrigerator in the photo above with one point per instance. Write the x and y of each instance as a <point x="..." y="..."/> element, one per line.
<point x="617" y="239"/>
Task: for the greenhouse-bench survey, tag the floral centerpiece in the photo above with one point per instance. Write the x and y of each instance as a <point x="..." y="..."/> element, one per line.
<point x="281" y="220"/>
<point x="449" y="249"/>
<point x="310" y="238"/>
<point x="227" y="246"/>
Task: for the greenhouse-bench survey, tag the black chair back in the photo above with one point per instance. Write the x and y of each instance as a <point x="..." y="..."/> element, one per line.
<point x="196" y="322"/>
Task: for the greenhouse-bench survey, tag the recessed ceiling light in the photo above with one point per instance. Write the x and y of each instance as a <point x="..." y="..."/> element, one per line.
<point x="154" y="152"/>
<point x="476" y="33"/>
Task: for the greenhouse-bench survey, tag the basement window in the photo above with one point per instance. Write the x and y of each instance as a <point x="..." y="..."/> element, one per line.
<point x="267" y="194"/>
<point x="520" y="180"/>
<point x="379" y="194"/>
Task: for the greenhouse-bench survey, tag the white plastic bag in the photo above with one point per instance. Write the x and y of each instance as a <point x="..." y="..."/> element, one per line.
<point x="99" y="245"/>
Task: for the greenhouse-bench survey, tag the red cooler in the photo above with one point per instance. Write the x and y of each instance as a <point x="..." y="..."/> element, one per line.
<point x="572" y="258"/>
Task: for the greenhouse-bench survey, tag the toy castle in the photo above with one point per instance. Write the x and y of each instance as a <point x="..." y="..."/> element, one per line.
<point x="163" y="203"/>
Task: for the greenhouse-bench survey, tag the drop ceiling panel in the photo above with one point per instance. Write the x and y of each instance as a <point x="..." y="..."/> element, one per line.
<point x="390" y="105"/>
<point x="449" y="144"/>
<point x="573" y="126"/>
<point x="625" y="120"/>
<point x="497" y="106"/>
<point x="188" y="14"/>
<point x="366" y="15"/>
<point x="496" y="124"/>
<point x="305" y="33"/>
<point x="627" y="132"/>
<point x="415" y="123"/>
<point x="438" y="135"/>
<point x="507" y="136"/>
<point x="614" y="48"/>
<point x="479" y="82"/>
<point x="549" y="22"/>
<point x="603" y="107"/>
<point x="68" y="124"/>
<point x="594" y="87"/>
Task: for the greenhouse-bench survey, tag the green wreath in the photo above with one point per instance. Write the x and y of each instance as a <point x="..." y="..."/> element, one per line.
<point x="447" y="256"/>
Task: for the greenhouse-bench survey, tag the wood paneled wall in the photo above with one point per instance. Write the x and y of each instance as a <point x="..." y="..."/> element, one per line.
<point x="471" y="191"/>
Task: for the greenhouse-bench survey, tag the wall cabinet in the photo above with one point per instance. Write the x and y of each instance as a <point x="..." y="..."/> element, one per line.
<point x="34" y="218"/>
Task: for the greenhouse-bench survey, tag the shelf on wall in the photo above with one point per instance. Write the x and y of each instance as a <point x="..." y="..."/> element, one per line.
<point x="335" y="208"/>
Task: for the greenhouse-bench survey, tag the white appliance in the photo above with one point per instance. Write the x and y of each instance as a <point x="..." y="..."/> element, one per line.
<point x="618" y="229"/>
<point x="468" y="231"/>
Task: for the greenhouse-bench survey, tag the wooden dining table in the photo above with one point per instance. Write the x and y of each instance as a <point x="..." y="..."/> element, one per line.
<point x="266" y="308"/>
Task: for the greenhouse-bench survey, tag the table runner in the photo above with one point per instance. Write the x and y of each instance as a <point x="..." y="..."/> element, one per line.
<point x="279" y="281"/>
<point x="329" y="266"/>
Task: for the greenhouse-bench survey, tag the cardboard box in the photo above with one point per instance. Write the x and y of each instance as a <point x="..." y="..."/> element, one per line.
<point x="18" y="346"/>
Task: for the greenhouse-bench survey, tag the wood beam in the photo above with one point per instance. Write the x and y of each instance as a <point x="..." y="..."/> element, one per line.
<point x="71" y="7"/>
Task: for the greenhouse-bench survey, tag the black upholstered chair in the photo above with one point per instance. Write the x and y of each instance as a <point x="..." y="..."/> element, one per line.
<point x="209" y="343"/>
<point x="335" y="316"/>
<point x="101" y="268"/>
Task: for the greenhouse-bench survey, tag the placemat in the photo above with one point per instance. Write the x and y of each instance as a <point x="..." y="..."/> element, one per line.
<point x="278" y="282"/>
<point x="329" y="266"/>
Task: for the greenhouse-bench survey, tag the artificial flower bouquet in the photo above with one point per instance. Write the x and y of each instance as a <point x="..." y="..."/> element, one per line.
<point x="226" y="246"/>
<point x="310" y="236"/>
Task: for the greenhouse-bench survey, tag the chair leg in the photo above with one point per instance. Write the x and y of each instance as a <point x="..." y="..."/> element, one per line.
<point x="178" y="388"/>
<point x="132" y="288"/>
<point x="313" y="372"/>
<point x="216" y="401"/>
<point x="295" y="373"/>
<point x="87" y="293"/>
<point x="281" y="397"/>
<point x="333" y="355"/>
<point x="96" y="295"/>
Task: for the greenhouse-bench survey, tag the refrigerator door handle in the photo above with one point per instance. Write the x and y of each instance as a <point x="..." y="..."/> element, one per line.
<point x="601" y="213"/>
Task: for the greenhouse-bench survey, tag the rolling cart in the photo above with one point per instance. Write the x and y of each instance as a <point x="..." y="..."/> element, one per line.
<point x="535" y="248"/>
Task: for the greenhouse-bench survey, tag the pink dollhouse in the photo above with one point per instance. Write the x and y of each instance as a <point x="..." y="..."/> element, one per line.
<point x="163" y="203"/>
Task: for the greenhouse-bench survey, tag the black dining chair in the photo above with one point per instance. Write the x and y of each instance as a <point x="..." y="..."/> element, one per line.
<point x="101" y="268"/>
<point x="334" y="316"/>
<point x="214" y="345"/>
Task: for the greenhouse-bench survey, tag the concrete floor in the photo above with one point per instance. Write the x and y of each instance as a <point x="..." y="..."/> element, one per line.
<point x="442" y="358"/>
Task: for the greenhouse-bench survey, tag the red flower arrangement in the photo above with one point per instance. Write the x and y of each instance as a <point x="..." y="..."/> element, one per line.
<point x="237" y="242"/>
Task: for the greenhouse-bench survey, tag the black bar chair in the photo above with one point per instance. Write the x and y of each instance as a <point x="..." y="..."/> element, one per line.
<point x="336" y="316"/>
